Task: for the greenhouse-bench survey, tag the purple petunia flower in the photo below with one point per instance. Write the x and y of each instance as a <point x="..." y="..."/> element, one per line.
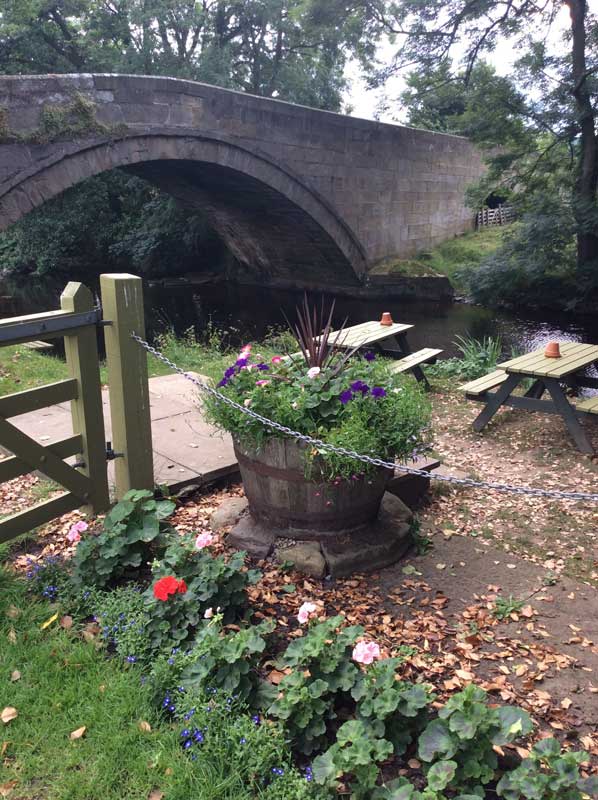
<point x="263" y="367"/>
<point x="222" y="383"/>
<point x="241" y="362"/>
<point x="369" y="356"/>
<point x="346" y="396"/>
<point x="360" y="386"/>
<point x="378" y="391"/>
<point x="229" y="372"/>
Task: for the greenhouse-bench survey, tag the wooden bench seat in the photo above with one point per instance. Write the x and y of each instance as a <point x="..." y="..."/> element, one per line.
<point x="588" y="406"/>
<point x="426" y="355"/>
<point x="482" y="385"/>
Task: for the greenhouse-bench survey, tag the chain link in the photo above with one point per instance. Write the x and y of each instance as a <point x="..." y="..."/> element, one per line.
<point x="377" y="462"/>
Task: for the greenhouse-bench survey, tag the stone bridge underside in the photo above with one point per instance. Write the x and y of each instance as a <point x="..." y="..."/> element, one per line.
<point x="296" y="194"/>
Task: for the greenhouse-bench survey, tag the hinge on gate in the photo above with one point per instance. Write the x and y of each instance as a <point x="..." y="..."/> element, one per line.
<point x="110" y="454"/>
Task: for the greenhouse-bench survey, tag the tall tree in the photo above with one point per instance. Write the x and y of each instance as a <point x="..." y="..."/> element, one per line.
<point x="558" y="97"/>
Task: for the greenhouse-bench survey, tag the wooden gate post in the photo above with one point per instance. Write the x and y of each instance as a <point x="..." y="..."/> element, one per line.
<point x="122" y="303"/>
<point x="81" y="350"/>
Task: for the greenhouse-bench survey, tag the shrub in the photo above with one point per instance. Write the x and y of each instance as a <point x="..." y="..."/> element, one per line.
<point x="548" y="773"/>
<point x="133" y="533"/>
<point x="464" y="735"/>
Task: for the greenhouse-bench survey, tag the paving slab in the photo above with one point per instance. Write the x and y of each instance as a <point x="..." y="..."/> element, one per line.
<point x="187" y="449"/>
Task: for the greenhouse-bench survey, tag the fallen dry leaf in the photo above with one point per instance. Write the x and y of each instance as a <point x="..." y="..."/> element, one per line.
<point x="145" y="726"/>
<point x="15" y="675"/>
<point x="155" y="794"/>
<point x="78" y="734"/>
<point x="13" y="612"/>
<point x="48" y="622"/>
<point x="6" y="788"/>
<point x="12" y="636"/>
<point x="8" y="714"/>
<point x="66" y="622"/>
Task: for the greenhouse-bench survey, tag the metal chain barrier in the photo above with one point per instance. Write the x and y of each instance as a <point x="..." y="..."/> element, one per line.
<point x="377" y="462"/>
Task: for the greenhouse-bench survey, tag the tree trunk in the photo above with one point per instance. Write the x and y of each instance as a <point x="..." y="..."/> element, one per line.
<point x="585" y="201"/>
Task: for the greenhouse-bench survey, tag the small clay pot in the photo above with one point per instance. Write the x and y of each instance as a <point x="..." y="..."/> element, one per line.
<point x="552" y="350"/>
<point x="386" y="319"/>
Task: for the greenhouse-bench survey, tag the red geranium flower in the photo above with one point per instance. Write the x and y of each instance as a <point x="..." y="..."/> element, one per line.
<point x="168" y="585"/>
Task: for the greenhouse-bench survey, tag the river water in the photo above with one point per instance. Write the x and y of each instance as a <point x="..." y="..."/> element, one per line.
<point x="248" y="313"/>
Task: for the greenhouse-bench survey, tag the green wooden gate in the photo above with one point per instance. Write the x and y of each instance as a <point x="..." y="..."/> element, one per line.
<point x="86" y="481"/>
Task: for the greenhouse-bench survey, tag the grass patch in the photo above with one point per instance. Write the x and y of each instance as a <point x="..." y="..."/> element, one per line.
<point x="22" y="368"/>
<point x="456" y="258"/>
<point x="65" y="684"/>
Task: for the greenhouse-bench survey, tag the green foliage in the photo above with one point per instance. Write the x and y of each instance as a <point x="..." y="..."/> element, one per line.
<point x="388" y="425"/>
<point x="217" y="661"/>
<point x="477" y="358"/>
<point x="219" y="730"/>
<point x="322" y="676"/>
<point x="123" y="617"/>
<point x="465" y="732"/>
<point x="505" y="606"/>
<point x="394" y="710"/>
<point x="548" y="773"/>
<point x="133" y="531"/>
<point x="213" y="582"/>
<point x="357" y="753"/>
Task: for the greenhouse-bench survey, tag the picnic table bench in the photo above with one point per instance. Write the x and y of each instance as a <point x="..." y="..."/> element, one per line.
<point x="390" y="340"/>
<point x="548" y="375"/>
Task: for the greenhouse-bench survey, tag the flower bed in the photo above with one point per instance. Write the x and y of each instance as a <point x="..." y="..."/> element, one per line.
<point x="327" y="688"/>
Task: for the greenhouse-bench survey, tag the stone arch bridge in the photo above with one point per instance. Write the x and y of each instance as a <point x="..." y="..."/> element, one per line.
<point x="296" y="194"/>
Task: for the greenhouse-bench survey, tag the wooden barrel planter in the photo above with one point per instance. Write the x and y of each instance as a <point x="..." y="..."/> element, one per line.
<point x="280" y="495"/>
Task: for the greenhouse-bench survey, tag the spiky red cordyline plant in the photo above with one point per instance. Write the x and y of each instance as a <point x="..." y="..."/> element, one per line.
<point x="314" y="335"/>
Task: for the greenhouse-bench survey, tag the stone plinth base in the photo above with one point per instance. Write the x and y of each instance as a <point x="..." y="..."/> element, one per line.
<point x="338" y="554"/>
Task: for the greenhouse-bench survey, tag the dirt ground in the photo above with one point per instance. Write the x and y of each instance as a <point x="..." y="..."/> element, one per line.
<point x="544" y="656"/>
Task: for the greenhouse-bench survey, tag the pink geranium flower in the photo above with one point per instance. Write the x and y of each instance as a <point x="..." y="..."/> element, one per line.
<point x="276" y="359"/>
<point x="74" y="534"/>
<point x="262" y="383"/>
<point x="306" y="611"/>
<point x="313" y="371"/>
<point x="366" y="652"/>
<point x="203" y="540"/>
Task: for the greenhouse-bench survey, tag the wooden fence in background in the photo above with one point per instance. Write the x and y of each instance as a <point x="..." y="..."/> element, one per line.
<point x="502" y="215"/>
<point x="85" y="481"/>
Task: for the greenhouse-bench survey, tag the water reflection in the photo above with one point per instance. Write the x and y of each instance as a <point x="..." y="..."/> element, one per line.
<point x="248" y="312"/>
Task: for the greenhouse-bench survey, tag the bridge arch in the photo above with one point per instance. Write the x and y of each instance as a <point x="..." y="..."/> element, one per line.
<point x="270" y="220"/>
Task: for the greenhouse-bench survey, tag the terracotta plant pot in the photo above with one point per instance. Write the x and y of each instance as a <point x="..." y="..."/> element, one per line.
<point x="386" y="319"/>
<point x="552" y="350"/>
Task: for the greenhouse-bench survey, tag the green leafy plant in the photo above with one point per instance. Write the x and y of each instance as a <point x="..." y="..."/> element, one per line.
<point x="402" y="789"/>
<point x="393" y="709"/>
<point x="218" y="660"/>
<point x="478" y="356"/>
<point x="133" y="533"/>
<point x="213" y="582"/>
<point x="548" y="773"/>
<point x="505" y="606"/>
<point x="356" y="754"/>
<point x="351" y="402"/>
<point x="219" y="729"/>
<point x="322" y="677"/>
<point x="465" y="732"/>
<point x="123" y="617"/>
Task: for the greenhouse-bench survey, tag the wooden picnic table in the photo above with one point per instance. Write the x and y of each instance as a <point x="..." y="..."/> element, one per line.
<point x="390" y="340"/>
<point x="551" y="375"/>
